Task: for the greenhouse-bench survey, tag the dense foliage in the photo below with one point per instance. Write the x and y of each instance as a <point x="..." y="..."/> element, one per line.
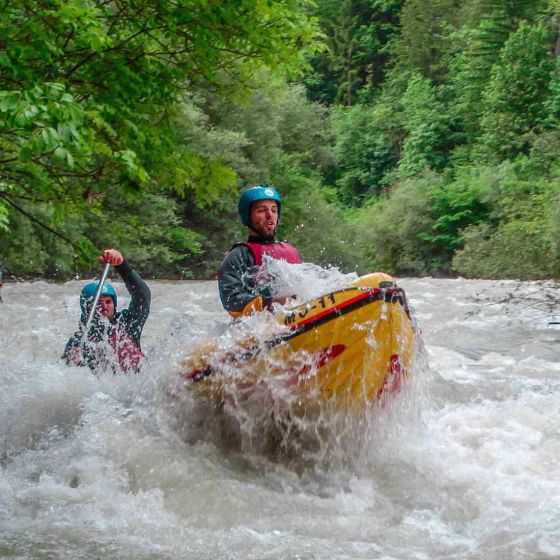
<point x="409" y="136"/>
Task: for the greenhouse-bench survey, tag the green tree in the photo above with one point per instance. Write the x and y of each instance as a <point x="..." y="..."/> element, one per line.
<point x="274" y="135"/>
<point x="487" y="26"/>
<point x="356" y="34"/>
<point x="89" y="90"/>
<point x="366" y="148"/>
<point x="395" y="228"/>
<point x="424" y="44"/>
<point x="513" y="102"/>
<point x="518" y="240"/>
<point x="455" y="207"/>
<point x="424" y="121"/>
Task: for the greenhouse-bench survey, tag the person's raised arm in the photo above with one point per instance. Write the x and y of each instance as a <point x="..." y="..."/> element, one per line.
<point x="139" y="291"/>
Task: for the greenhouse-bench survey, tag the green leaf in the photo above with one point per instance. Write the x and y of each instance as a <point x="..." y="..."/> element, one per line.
<point x="4" y="216"/>
<point x="85" y="252"/>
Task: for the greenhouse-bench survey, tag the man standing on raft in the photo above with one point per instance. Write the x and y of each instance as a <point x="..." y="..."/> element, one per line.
<point x="113" y="340"/>
<point x="242" y="291"/>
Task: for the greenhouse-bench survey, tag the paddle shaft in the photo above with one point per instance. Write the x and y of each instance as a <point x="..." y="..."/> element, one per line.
<point x="96" y="298"/>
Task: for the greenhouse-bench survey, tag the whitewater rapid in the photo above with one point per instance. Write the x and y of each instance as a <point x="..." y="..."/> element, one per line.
<point x="466" y="465"/>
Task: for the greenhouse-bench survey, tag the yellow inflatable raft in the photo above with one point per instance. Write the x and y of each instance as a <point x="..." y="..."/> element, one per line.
<point x="347" y="347"/>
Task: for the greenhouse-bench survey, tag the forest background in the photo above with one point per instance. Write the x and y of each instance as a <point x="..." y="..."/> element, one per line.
<point x="413" y="137"/>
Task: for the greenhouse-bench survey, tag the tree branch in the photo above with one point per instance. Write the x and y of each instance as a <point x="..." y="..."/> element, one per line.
<point x="35" y="220"/>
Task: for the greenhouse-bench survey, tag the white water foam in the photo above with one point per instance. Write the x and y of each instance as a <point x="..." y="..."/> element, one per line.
<point x="464" y="465"/>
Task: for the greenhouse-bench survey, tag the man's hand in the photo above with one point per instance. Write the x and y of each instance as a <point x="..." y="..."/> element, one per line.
<point x="111" y="256"/>
<point x="75" y="356"/>
<point x="282" y="300"/>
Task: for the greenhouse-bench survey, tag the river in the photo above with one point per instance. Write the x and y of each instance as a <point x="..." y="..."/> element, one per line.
<point x="466" y="465"/>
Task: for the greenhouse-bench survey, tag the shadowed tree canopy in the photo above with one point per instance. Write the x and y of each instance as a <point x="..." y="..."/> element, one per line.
<point x="89" y="90"/>
<point x="356" y="33"/>
<point x="405" y="135"/>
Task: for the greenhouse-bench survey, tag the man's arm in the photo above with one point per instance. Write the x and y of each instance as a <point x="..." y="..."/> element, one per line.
<point x="139" y="307"/>
<point x="141" y="297"/>
<point x="138" y="310"/>
<point x="236" y="285"/>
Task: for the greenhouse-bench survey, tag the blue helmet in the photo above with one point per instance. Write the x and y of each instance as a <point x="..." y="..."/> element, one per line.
<point x="88" y="293"/>
<point x="260" y="192"/>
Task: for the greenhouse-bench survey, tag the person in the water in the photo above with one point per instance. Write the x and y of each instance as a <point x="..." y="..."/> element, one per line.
<point x="113" y="339"/>
<point x="243" y="288"/>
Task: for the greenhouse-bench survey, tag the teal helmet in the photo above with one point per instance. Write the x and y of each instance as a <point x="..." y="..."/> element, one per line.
<point x="88" y="293"/>
<point x="251" y="195"/>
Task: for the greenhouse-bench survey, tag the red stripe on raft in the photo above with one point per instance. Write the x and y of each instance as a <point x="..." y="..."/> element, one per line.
<point x="327" y="354"/>
<point x="317" y="360"/>
<point x="335" y="308"/>
<point x="394" y="378"/>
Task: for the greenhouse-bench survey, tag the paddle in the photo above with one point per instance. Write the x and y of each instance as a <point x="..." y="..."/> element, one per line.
<point x="96" y="298"/>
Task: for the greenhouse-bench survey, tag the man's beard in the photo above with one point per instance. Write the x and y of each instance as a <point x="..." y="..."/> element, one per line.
<point x="262" y="233"/>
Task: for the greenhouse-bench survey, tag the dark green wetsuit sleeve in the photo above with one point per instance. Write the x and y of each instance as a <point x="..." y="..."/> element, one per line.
<point x="236" y="280"/>
<point x="135" y="316"/>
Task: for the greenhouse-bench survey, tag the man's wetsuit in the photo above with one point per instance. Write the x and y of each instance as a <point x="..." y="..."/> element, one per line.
<point x="240" y="284"/>
<point x="115" y="344"/>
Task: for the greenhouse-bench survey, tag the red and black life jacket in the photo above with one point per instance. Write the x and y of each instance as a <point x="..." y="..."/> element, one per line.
<point x="125" y="352"/>
<point x="279" y="250"/>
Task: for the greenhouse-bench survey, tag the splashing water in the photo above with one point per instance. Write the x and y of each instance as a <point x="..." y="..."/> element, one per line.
<point x="263" y="402"/>
<point x="464" y="464"/>
<point x="306" y="281"/>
